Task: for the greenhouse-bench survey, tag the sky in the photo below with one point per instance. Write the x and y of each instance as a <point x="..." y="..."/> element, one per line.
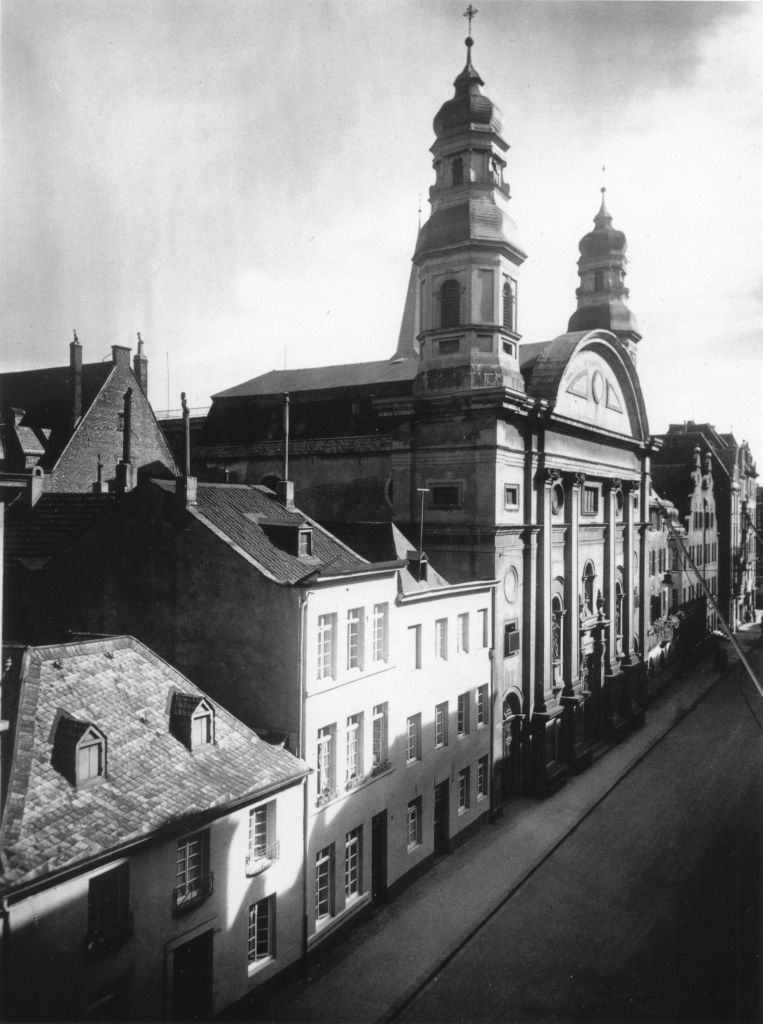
<point x="240" y="180"/>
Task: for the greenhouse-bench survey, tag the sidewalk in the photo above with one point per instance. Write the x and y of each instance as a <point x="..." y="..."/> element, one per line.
<point x="378" y="967"/>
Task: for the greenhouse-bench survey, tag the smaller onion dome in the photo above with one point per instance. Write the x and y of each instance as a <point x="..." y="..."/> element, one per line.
<point x="604" y="239"/>
<point x="468" y="108"/>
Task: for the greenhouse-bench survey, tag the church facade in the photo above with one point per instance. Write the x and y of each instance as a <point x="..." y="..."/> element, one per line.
<point x="525" y="463"/>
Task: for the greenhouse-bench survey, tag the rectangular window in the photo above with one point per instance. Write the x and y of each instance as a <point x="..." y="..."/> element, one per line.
<point x="414" y="823"/>
<point x="482" y="777"/>
<point x="89" y="760"/>
<point x="352" y="863"/>
<point x="413" y="738"/>
<point x="354" y="750"/>
<point x="380" y="623"/>
<point x="652" y="563"/>
<point x="380" y="756"/>
<point x="305" y="543"/>
<point x="590" y="501"/>
<point x="510" y="496"/>
<point x="325" y="761"/>
<point x="263" y="845"/>
<point x="441" y="639"/>
<point x="463" y="790"/>
<point x="355" y="619"/>
<point x="511" y="638"/>
<point x="324" y="883"/>
<point x="485" y="298"/>
<point x="326" y="646"/>
<point x="484" y="626"/>
<point x="462" y="633"/>
<point x="441" y="725"/>
<point x="482" y="708"/>
<point x="261" y="929"/>
<point x="445" y="496"/>
<point x="108" y="910"/>
<point x="414" y="645"/>
<point x="193" y="882"/>
<point x="463" y="714"/>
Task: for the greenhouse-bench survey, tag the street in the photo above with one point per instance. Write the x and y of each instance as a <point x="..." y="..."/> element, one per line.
<point x="650" y="910"/>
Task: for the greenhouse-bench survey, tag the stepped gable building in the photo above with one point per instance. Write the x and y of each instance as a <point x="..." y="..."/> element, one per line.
<point x="87" y="427"/>
<point x="693" y="496"/>
<point x="150" y="846"/>
<point x="734" y="476"/>
<point x="535" y="458"/>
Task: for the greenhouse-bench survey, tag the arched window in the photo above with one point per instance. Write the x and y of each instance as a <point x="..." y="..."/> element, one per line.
<point x="589" y="578"/>
<point x="557" y="640"/>
<point x="509" y="299"/>
<point x="450" y="300"/>
<point x="598" y="280"/>
<point x="457" y="171"/>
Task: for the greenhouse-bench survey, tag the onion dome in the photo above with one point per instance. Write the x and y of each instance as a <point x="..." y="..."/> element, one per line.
<point x="604" y="239"/>
<point x="468" y="109"/>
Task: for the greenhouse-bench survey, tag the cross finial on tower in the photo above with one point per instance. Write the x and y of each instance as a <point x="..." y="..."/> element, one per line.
<point x="469" y="13"/>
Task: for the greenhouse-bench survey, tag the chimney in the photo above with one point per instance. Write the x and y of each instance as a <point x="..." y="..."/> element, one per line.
<point x="140" y="367"/>
<point x="75" y="381"/>
<point x="697" y="458"/>
<point x="125" y="471"/>
<point x="120" y="355"/>
<point x="185" y="485"/>
<point x="285" y="493"/>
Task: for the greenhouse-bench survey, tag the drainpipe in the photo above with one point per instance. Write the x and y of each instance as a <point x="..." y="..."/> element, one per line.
<point x="301" y="744"/>
<point x="6" y="974"/>
<point x="286" y="436"/>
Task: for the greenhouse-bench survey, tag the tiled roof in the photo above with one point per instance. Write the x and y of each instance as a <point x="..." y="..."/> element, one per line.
<point x="45" y="397"/>
<point x="278" y="382"/>
<point x="153" y="781"/>
<point x="244" y="515"/>
<point x="380" y="542"/>
<point x="34" y="535"/>
<point x="543" y="365"/>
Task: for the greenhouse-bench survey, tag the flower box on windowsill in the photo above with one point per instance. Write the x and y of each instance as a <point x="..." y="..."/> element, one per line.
<point x="257" y="863"/>
<point x="186" y="897"/>
<point x="355" y="781"/>
<point x="324" y="797"/>
<point x="382" y="766"/>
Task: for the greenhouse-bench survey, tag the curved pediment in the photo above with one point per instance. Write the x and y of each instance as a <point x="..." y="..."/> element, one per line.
<point x="589" y="377"/>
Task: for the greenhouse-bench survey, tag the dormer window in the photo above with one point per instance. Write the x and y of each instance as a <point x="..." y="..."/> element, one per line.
<point x="79" y="750"/>
<point x="192" y="720"/>
<point x="305" y="543"/>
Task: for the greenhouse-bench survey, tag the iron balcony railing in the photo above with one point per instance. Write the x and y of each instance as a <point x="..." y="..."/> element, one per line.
<point x="256" y="863"/>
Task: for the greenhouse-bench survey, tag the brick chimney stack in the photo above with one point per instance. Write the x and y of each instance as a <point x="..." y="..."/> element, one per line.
<point x="75" y="380"/>
<point x="125" y="472"/>
<point x="140" y="367"/>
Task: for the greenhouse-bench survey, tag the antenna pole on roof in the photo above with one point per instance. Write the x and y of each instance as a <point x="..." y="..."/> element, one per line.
<point x="286" y="436"/>
<point x="422" y="491"/>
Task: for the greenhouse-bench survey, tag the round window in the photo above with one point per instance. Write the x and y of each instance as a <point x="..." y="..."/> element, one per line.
<point x="511" y="583"/>
<point x="557" y="498"/>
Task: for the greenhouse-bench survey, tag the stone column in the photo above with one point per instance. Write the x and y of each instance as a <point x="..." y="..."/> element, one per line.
<point x="575" y="746"/>
<point x="548" y="773"/>
<point x="629" y="581"/>
<point x="614" y="722"/>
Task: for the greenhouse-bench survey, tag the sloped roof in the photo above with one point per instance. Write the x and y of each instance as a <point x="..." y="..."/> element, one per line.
<point x="384" y="542"/>
<point x="317" y="378"/>
<point x="241" y="514"/>
<point x="152" y="780"/>
<point x="34" y="535"/>
<point x="45" y="397"/>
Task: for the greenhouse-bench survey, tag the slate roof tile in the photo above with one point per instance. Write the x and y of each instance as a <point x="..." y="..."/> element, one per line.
<point x="315" y="378"/>
<point x="232" y="510"/>
<point x="152" y="779"/>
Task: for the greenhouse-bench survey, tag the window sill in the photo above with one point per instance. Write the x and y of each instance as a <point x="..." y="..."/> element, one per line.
<point x="413" y="847"/>
<point x="257" y="966"/>
<point x="462" y="811"/>
<point x="328" y="924"/>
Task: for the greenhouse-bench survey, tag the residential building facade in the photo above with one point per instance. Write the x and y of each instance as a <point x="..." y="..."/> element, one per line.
<point x="152" y="845"/>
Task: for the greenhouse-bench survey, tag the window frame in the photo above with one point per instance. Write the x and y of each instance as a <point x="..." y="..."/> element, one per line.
<point x="413" y="738"/>
<point x="482" y="701"/>
<point x="441" y="639"/>
<point x="441" y="715"/>
<point x="354" y="751"/>
<point x="413" y="824"/>
<point x="510" y="504"/>
<point x="324" y="866"/>
<point x="197" y="879"/>
<point x="355" y="653"/>
<point x="327" y="630"/>
<point x="483" y="785"/>
<point x="592" y="491"/>
<point x="325" y="762"/>
<point x="462" y="715"/>
<point x="380" y="738"/>
<point x="464" y="790"/>
<point x="462" y="633"/>
<point x="353" y="864"/>
<point x="380" y="632"/>
<point x="265" y="907"/>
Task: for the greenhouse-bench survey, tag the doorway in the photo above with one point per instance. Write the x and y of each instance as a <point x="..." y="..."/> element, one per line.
<point x="192" y="979"/>
<point x="379" y="856"/>
<point x="441" y="818"/>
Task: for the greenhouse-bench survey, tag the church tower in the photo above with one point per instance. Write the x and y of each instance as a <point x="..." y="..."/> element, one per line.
<point x="468" y="252"/>
<point x="602" y="292"/>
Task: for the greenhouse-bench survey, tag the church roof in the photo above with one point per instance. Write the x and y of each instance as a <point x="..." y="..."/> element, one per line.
<point x="318" y="378"/>
<point x="468" y="109"/>
<point x="476" y="219"/>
